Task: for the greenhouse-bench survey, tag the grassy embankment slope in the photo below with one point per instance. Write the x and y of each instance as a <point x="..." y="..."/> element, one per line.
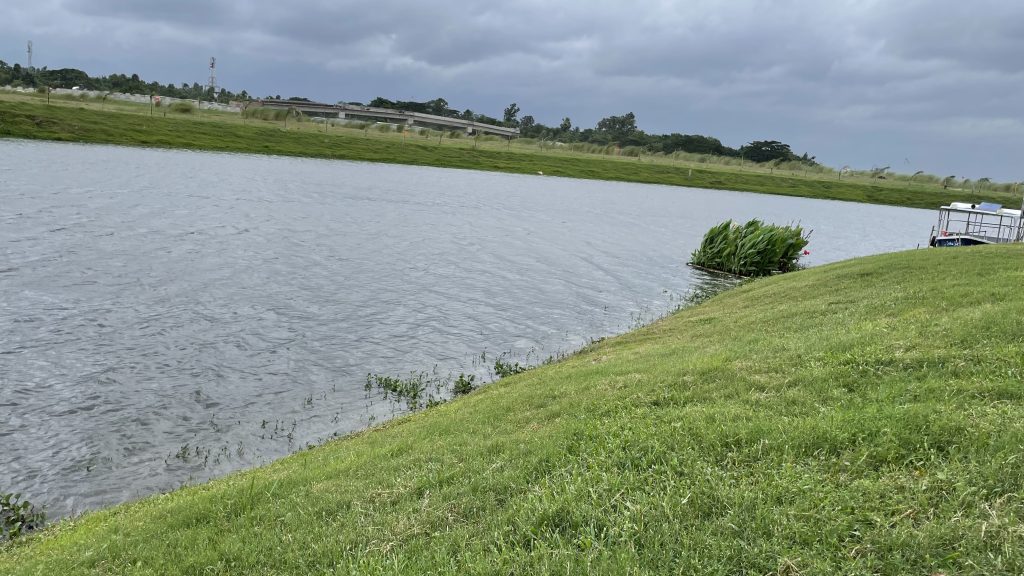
<point x="863" y="417"/>
<point x="121" y="123"/>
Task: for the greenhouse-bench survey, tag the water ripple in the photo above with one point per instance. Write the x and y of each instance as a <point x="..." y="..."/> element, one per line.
<point x="170" y="316"/>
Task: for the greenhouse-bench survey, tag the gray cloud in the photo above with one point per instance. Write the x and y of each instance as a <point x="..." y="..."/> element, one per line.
<point x="858" y="82"/>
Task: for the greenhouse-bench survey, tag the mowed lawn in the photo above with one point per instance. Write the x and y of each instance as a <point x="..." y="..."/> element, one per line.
<point x="865" y="417"/>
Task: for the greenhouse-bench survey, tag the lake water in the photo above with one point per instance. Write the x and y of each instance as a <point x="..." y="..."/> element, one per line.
<point x="169" y="316"/>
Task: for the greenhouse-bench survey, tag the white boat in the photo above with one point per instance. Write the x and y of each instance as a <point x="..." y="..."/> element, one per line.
<point x="966" y="224"/>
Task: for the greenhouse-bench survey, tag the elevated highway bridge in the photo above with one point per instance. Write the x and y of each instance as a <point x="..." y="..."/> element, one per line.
<point x="388" y="114"/>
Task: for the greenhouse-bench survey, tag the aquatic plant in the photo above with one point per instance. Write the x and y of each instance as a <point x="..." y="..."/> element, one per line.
<point x="751" y="249"/>
<point x="18" y="517"/>
<point x="410" y="390"/>
<point x="414" y="390"/>
<point x="503" y="368"/>
<point x="463" y="385"/>
<point x="422" y="390"/>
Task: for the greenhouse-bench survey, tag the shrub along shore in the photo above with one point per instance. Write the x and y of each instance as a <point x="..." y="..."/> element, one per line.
<point x="122" y="123"/>
<point x="860" y="418"/>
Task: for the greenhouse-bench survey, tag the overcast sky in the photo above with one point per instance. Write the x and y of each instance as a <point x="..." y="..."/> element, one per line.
<point x="917" y="85"/>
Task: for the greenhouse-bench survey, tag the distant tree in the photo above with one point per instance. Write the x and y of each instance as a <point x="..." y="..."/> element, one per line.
<point x="566" y="124"/>
<point x="527" y="123"/>
<point x="437" y="107"/>
<point x="619" y="129"/>
<point x="65" y="78"/>
<point x="695" y="144"/>
<point x="811" y="160"/>
<point x="511" y="115"/>
<point x="18" y="76"/>
<point x="766" y="151"/>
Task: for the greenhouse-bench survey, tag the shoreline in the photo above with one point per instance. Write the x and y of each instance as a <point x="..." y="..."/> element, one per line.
<point x="225" y="132"/>
<point x="811" y="403"/>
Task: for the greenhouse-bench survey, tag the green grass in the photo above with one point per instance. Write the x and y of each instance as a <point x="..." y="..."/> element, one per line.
<point x="130" y="124"/>
<point x="858" y="418"/>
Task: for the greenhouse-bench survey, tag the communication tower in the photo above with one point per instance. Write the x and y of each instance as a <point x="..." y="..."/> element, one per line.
<point x="213" y="76"/>
<point x="30" y="54"/>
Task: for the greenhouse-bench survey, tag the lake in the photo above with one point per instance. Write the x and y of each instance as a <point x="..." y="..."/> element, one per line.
<point x="171" y="316"/>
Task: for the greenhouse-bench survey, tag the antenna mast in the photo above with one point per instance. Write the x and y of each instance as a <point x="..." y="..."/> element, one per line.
<point x="213" y="77"/>
<point x="30" y="54"/>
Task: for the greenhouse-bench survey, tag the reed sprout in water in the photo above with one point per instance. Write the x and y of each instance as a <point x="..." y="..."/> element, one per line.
<point x="751" y="249"/>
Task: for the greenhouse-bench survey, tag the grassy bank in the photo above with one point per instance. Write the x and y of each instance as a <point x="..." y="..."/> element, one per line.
<point x="863" y="417"/>
<point x="131" y="124"/>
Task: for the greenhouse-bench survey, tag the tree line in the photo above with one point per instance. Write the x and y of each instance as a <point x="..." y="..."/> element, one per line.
<point x="18" y="76"/>
<point x="622" y="131"/>
<point x="618" y="131"/>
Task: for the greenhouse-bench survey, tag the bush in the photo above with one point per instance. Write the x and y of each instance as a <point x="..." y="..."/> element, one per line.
<point x="272" y="114"/>
<point x="18" y="517"/>
<point x="753" y="249"/>
<point x="181" y="107"/>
